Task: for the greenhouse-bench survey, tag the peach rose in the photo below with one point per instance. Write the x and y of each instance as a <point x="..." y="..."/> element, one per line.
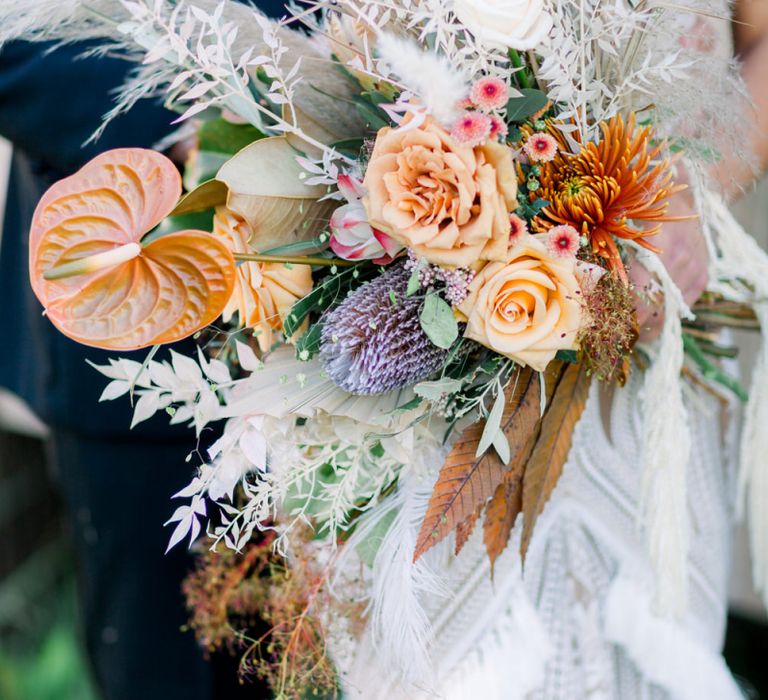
<point x="526" y="308"/>
<point x="448" y="202"/>
<point x="264" y="292"/>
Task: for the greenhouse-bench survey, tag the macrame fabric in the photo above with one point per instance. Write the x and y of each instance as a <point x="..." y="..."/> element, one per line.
<point x="580" y="622"/>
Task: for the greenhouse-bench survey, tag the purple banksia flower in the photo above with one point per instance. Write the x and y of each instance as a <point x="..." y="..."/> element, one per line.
<point x="373" y="342"/>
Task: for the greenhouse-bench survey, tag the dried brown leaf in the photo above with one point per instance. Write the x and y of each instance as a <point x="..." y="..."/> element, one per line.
<point x="467" y="482"/>
<point x="464" y="529"/>
<point x="500" y="517"/>
<point x="552" y="446"/>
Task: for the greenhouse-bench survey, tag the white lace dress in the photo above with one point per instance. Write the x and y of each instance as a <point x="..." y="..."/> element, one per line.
<point x="580" y="622"/>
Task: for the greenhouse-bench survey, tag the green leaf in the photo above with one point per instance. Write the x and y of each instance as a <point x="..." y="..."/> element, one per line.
<point x="710" y="370"/>
<point x="415" y="402"/>
<point x="198" y="221"/>
<point x="570" y="356"/>
<point x="202" y="167"/>
<point x="369" y="547"/>
<point x="349" y="146"/>
<point x="438" y="321"/>
<point x="413" y="283"/>
<point x="520" y="108"/>
<point x="375" y="117"/>
<point x="492" y="424"/>
<point x="221" y="136"/>
<point x="330" y="291"/>
<point x="309" y="342"/>
<point x="437" y="388"/>
<point x="305" y="495"/>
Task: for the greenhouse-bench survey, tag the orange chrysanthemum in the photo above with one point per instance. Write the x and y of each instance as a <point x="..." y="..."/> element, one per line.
<point x="615" y="188"/>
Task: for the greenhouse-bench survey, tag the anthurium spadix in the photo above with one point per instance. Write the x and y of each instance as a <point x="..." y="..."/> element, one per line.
<point x="98" y="283"/>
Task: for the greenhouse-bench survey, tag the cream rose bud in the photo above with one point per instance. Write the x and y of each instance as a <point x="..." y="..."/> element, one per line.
<point x="527" y="308"/>
<point x="519" y="24"/>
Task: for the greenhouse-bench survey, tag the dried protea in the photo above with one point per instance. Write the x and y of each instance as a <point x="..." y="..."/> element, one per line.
<point x="373" y="342"/>
<point x="615" y="188"/>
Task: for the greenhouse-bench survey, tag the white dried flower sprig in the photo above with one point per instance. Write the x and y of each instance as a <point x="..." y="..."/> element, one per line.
<point x="277" y="463"/>
<point x="186" y="389"/>
<point x="597" y="63"/>
<point x="202" y="44"/>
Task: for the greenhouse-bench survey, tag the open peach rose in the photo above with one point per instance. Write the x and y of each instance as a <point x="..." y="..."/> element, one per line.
<point x="264" y="292"/>
<point x="449" y="202"/>
<point x="526" y="308"/>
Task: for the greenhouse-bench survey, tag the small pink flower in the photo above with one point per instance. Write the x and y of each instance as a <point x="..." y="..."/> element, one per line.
<point x="499" y="127"/>
<point x="472" y="128"/>
<point x="490" y="93"/>
<point x="518" y="229"/>
<point x="541" y="147"/>
<point x="563" y="241"/>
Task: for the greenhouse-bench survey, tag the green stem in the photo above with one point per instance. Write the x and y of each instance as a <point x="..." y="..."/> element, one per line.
<point x="711" y="371"/>
<point x="524" y="80"/>
<point x="294" y="259"/>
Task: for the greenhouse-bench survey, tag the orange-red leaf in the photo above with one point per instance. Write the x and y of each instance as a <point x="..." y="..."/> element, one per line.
<point x="464" y="529"/>
<point x="500" y="516"/>
<point x="467" y="482"/>
<point x="545" y="465"/>
<point x="97" y="283"/>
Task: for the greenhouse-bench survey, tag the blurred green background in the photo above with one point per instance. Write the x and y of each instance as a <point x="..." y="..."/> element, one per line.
<point x="41" y="654"/>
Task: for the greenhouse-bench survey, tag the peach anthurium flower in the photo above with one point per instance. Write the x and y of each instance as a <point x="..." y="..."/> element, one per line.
<point x="528" y="307"/>
<point x="264" y="291"/>
<point x="98" y="283"/>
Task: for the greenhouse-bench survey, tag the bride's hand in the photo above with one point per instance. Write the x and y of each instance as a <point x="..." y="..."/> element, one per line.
<point x="684" y="254"/>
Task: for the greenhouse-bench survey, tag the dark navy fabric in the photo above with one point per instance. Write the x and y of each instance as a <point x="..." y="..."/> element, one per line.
<point x="117" y="483"/>
<point x="49" y="105"/>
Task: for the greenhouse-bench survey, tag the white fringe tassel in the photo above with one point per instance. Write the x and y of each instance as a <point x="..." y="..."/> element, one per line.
<point x="753" y="472"/>
<point x="664" y="652"/>
<point x="740" y="273"/>
<point x="666" y="448"/>
<point x="510" y="660"/>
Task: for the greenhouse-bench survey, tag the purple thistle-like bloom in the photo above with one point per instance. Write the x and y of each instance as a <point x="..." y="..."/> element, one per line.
<point x="373" y="342"/>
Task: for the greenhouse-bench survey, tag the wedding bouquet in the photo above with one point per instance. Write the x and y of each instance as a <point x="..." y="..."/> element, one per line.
<point x="404" y="254"/>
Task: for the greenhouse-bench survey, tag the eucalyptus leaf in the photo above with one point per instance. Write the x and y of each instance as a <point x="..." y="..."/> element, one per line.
<point x="492" y="424"/>
<point x="520" y="108"/>
<point x="439" y="387"/>
<point x="501" y="445"/>
<point x="438" y="322"/>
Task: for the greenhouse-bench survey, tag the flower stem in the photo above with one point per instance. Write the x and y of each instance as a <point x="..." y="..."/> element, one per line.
<point x="293" y="259"/>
